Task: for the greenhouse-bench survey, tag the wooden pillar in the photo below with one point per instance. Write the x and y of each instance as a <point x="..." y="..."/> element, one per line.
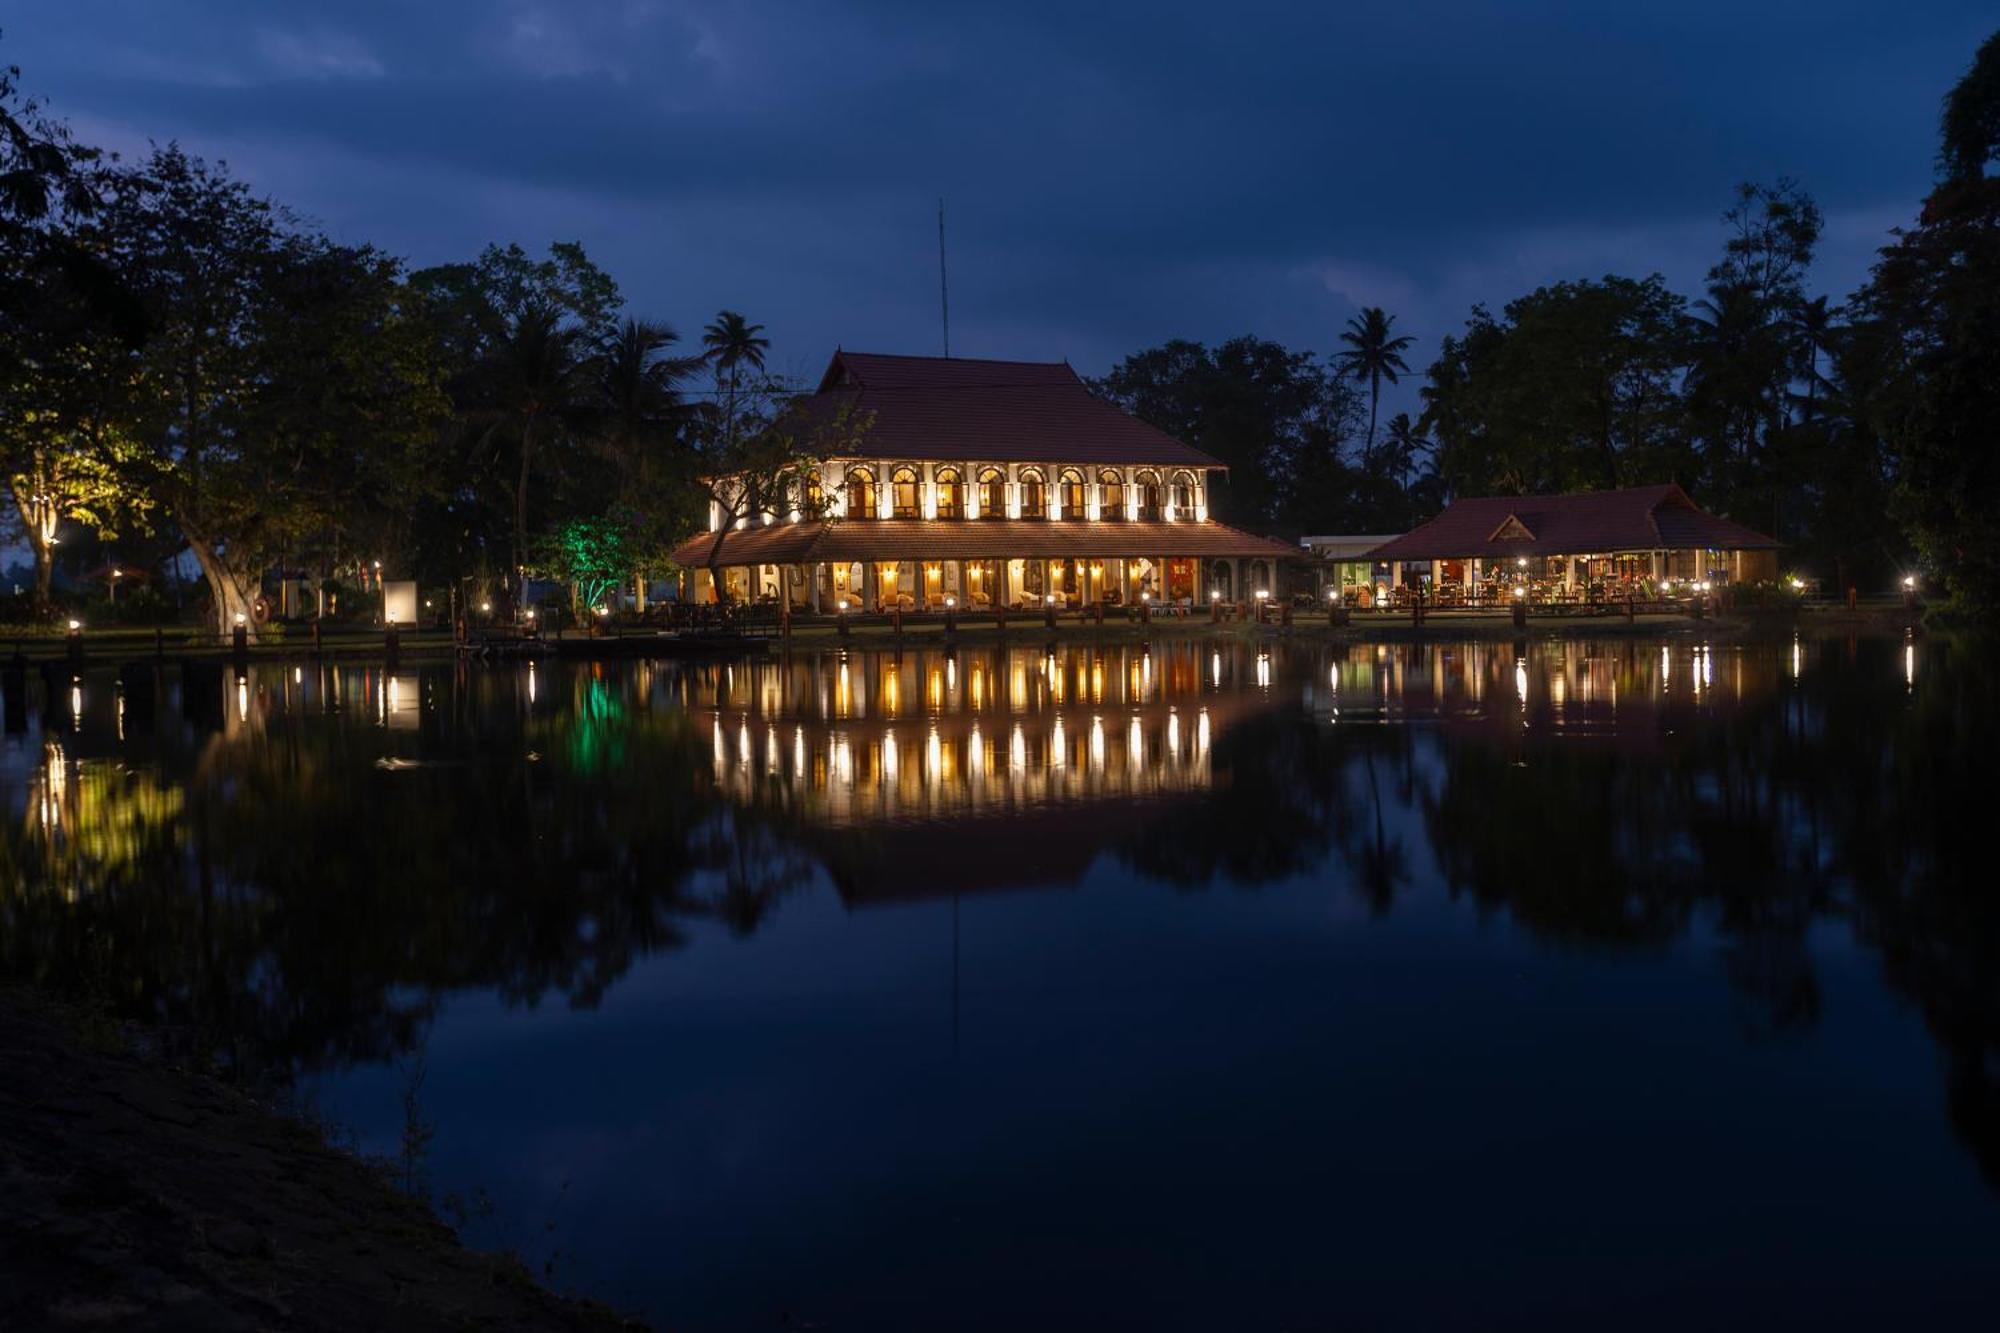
<point x="871" y="585"/>
<point x="812" y="586"/>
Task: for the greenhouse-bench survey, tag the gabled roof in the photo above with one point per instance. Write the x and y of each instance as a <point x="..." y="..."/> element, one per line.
<point x="931" y="407"/>
<point x="1646" y="518"/>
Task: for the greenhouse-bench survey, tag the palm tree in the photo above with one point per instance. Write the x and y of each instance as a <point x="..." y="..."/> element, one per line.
<point x="638" y="388"/>
<point x="1374" y="353"/>
<point x="732" y="343"/>
<point x="1407" y="443"/>
<point x="536" y="389"/>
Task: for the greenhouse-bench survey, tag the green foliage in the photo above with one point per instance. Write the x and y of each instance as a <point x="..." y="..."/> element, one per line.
<point x="593" y="555"/>
<point x="1572" y="387"/>
<point x="1277" y="419"/>
<point x="1936" y="296"/>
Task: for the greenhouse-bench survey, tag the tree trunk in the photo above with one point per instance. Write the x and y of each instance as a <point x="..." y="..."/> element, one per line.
<point x="44" y="553"/>
<point x="521" y="515"/>
<point x="228" y="586"/>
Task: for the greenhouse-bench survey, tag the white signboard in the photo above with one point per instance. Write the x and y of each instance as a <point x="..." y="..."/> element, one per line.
<point x="399" y="603"/>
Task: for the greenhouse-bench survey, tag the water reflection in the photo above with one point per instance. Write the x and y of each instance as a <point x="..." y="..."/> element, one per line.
<point x="297" y="863"/>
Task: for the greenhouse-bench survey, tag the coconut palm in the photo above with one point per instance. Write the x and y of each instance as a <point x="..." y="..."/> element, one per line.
<point x="1405" y="443"/>
<point x="1374" y="353"/>
<point x="534" y="389"/>
<point x="733" y="343"/>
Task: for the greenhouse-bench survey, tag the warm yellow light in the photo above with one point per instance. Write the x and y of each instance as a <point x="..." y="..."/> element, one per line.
<point x="1263" y="593"/>
<point x="1519" y="591"/>
<point x="1215" y="595"/>
<point x="1049" y="597"/>
<point x="75" y="625"/>
<point x="486" y="606"/>
<point x="240" y="617"/>
<point x="950" y="602"/>
<point x="1909" y="580"/>
<point x="843" y="603"/>
<point x="530" y="613"/>
<point x="603" y="611"/>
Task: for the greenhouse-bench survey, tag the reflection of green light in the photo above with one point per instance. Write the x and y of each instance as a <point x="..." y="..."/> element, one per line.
<point x="597" y="736"/>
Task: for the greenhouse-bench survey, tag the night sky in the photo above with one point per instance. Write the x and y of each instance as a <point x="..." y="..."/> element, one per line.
<point x="1115" y="174"/>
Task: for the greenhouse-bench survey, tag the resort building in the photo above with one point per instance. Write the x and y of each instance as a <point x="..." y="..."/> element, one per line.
<point x="982" y="484"/>
<point x="1594" y="544"/>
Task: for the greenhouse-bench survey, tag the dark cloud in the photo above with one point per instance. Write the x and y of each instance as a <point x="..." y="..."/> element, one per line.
<point x="1117" y="173"/>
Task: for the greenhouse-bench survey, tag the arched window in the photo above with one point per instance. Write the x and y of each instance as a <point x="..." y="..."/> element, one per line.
<point x="815" y="496"/>
<point x="1183" y="495"/>
<point x="1034" y="495"/>
<point x="950" y="493"/>
<point x="903" y="493"/>
<point x="993" y="493"/>
<point x="1151" y="496"/>
<point x="860" y="493"/>
<point x="1110" y="495"/>
<point x="1072" y="493"/>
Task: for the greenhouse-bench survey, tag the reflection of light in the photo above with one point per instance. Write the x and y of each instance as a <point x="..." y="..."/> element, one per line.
<point x="1909" y="662"/>
<point x="798" y="751"/>
<point x="1263" y="671"/>
<point x="1135" y="745"/>
<point x="242" y="699"/>
<point x="76" y="701"/>
<point x="531" y="682"/>
<point x="1097" y="744"/>
<point x="1058" y="750"/>
<point x="1201" y="736"/>
<point x="975" y="746"/>
<point x="1798" y="657"/>
<point x="1174" y="734"/>
<point x="1017" y="752"/>
<point x="1215" y="669"/>
<point x="1521" y="679"/>
<point x="721" y="748"/>
<point x="933" y="758"/>
<point x="889" y="757"/>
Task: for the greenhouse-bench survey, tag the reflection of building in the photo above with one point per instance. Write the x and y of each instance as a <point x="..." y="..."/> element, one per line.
<point x="984" y="483"/>
<point x="923" y="734"/>
<point x="1592" y="539"/>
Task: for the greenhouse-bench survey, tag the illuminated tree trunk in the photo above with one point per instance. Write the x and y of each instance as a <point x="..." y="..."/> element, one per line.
<point x="38" y="520"/>
<point x="231" y="588"/>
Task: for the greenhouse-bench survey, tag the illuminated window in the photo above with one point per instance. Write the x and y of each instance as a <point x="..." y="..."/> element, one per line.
<point x="1110" y="495"/>
<point x="1034" y="495"/>
<point x="815" y="496"/>
<point x="950" y="493"/>
<point x="1183" y="495"/>
<point x="903" y="492"/>
<point x="993" y="493"/>
<point x="860" y="493"/>
<point x="1151" y="496"/>
<point x="1072" y="493"/>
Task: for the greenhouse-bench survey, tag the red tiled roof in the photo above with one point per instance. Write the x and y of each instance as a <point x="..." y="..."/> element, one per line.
<point x="928" y="407"/>
<point x="1648" y="518"/>
<point x="974" y="539"/>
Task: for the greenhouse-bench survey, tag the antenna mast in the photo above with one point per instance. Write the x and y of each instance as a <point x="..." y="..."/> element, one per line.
<point x="944" y="290"/>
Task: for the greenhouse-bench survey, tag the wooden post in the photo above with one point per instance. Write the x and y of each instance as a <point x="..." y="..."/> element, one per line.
<point x="1520" y="613"/>
<point x="1049" y="610"/>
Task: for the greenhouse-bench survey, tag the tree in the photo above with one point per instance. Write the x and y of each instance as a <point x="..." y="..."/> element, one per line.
<point x="1374" y="353"/>
<point x="592" y="555"/>
<point x="1573" y="386"/>
<point x="66" y="334"/>
<point x="1936" y="292"/>
<point x="774" y="470"/>
<point x="733" y="344"/>
<point x="285" y="385"/>
<point x="641" y="439"/>
<point x="521" y="338"/>
<point x="1273" y="417"/>
<point x="1406" y="443"/>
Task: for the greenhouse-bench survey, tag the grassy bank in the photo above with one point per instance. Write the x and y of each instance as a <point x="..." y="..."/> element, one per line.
<point x="143" y="1195"/>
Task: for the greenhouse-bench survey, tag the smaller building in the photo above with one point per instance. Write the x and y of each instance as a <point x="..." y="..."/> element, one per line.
<point x="1604" y="544"/>
<point x="1346" y="562"/>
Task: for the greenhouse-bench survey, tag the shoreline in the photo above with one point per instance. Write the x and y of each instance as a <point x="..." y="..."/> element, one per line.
<point x="123" y="649"/>
<point x="142" y="1195"/>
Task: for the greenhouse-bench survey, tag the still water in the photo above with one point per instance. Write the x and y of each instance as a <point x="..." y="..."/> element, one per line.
<point x="1631" y="983"/>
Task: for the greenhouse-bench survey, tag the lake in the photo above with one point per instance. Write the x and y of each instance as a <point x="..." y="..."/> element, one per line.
<point x="1634" y="983"/>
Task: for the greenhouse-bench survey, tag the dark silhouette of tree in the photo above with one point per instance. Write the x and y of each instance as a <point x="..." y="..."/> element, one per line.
<point x="1374" y="353"/>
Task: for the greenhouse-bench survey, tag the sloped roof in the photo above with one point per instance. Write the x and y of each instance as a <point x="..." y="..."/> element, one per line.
<point x="1646" y="518"/>
<point x="975" y="539"/>
<point x="931" y="407"/>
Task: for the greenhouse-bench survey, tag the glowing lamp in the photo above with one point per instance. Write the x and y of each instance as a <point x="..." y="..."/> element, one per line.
<point x="1519" y="591"/>
<point x="486" y="606"/>
<point x="1521" y="562"/>
<point x="529" y="613"/>
<point x="1909" y="580"/>
<point x="1798" y="585"/>
<point x="1145" y="597"/>
<point x="1263" y="593"/>
<point x="1215" y="595"/>
<point x="1049" y="598"/>
<point x="602" y="611"/>
<point x="75" y="625"/>
<point x="843" y="603"/>
<point x="240" y="617"/>
<point x="950" y="602"/>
